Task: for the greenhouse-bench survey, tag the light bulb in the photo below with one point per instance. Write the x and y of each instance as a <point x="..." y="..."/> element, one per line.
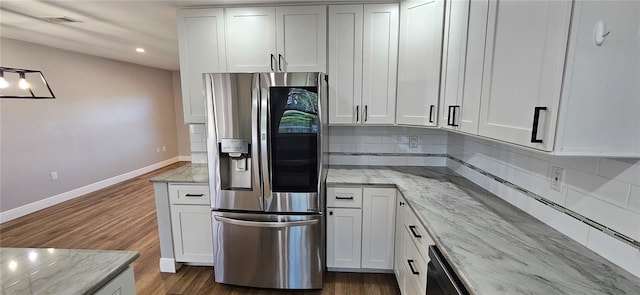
<point x="23" y="84"/>
<point x="3" y="83"/>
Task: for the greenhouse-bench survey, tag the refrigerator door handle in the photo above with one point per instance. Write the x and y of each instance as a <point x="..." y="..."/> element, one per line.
<point x="265" y="224"/>
<point x="263" y="101"/>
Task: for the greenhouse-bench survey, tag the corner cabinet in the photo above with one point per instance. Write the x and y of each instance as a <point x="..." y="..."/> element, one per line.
<point x="201" y="41"/>
<point x="503" y="65"/>
<point x="276" y="39"/>
<point x="420" y="52"/>
<point x="360" y="228"/>
<point x="363" y="56"/>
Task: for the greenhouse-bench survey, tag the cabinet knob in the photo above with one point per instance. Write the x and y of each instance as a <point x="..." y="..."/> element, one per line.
<point x="330" y="212"/>
<point x="401" y="203"/>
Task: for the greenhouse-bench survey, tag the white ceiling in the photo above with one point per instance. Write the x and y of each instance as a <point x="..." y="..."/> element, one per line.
<point x="111" y="29"/>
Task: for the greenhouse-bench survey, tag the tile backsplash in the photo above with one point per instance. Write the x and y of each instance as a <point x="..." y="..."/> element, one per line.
<point x="198" y="140"/>
<point x="603" y="190"/>
<point x="389" y="145"/>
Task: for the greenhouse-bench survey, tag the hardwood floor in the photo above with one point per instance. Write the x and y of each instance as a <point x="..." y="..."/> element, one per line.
<point x="123" y="217"/>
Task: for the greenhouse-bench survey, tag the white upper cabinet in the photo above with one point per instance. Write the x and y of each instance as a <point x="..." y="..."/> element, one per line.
<point x="420" y="52"/>
<point x="474" y="66"/>
<point x="302" y="38"/>
<point x="281" y="39"/>
<point x="601" y="95"/>
<point x="345" y="63"/>
<point x="523" y="70"/>
<point x="201" y="40"/>
<point x="363" y="54"/>
<point x="453" y="62"/>
<point x="463" y="61"/>
<point x="251" y="39"/>
<point x="380" y="63"/>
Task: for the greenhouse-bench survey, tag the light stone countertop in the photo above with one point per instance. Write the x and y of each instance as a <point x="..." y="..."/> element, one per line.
<point x="28" y="271"/>
<point x="494" y="247"/>
<point x="190" y="173"/>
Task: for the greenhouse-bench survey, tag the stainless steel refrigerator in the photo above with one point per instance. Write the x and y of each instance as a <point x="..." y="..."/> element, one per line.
<point x="266" y="143"/>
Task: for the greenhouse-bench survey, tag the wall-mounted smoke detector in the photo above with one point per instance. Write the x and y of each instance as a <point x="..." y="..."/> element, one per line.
<point x="60" y="19"/>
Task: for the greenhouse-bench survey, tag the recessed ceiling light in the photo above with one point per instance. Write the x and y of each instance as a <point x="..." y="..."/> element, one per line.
<point x="140" y="49"/>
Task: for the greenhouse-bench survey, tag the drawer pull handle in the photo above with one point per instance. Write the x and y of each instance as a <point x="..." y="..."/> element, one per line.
<point x="534" y="129"/>
<point x="194" y="195"/>
<point x="413" y="271"/>
<point x="344" y="198"/>
<point x="412" y="228"/>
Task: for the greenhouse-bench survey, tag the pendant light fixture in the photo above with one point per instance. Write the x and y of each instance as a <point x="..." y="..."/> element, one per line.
<point x="23" y="83"/>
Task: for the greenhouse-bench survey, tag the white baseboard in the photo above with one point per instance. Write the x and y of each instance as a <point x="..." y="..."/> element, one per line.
<point x="184" y="158"/>
<point x="59" y="198"/>
<point x="169" y="265"/>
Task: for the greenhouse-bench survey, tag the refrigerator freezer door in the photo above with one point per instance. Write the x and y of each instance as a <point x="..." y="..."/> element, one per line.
<point x="269" y="251"/>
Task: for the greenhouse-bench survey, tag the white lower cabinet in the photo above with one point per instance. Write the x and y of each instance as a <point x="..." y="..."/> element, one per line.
<point x="411" y="256"/>
<point x="378" y="216"/>
<point x="122" y="284"/>
<point x="191" y="223"/>
<point x="344" y="226"/>
<point x="360" y="236"/>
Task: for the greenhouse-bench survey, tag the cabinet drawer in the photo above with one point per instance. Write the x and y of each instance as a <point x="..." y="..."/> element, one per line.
<point x="344" y="197"/>
<point x="418" y="234"/>
<point x="189" y="194"/>
<point x="415" y="266"/>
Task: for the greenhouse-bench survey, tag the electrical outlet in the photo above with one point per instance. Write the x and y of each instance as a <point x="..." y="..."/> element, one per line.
<point x="54" y="175"/>
<point x="557" y="178"/>
<point x="413" y="141"/>
<point x="164" y="148"/>
<point x="157" y="149"/>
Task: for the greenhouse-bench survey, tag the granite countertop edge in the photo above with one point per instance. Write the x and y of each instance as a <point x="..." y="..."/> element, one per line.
<point x="379" y="176"/>
<point x="190" y="173"/>
<point x="114" y="272"/>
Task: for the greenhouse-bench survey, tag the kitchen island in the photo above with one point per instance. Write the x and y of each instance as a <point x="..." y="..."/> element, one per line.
<point x="28" y="271"/>
<point x="494" y="247"/>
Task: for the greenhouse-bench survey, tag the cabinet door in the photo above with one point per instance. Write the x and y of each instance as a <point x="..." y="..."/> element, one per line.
<point x="345" y="63"/>
<point x="192" y="233"/>
<point x="201" y="40"/>
<point x="523" y="70"/>
<point x="401" y="211"/>
<point x="419" y="57"/>
<point x="302" y="38"/>
<point x="379" y="65"/>
<point x="378" y="220"/>
<point x="474" y="61"/>
<point x="251" y="39"/>
<point x="344" y="237"/>
<point x="453" y="62"/>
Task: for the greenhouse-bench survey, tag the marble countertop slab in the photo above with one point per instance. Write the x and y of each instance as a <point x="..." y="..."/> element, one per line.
<point x="494" y="247"/>
<point x="191" y="173"/>
<point x="28" y="271"/>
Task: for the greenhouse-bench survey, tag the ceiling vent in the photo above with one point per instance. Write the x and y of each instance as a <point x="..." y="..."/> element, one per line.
<point x="60" y="19"/>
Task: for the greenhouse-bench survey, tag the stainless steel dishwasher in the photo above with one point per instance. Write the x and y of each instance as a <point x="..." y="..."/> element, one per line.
<point x="441" y="279"/>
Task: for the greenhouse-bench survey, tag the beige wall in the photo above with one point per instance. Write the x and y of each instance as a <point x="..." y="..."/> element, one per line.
<point x="108" y="119"/>
<point x="181" y="127"/>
